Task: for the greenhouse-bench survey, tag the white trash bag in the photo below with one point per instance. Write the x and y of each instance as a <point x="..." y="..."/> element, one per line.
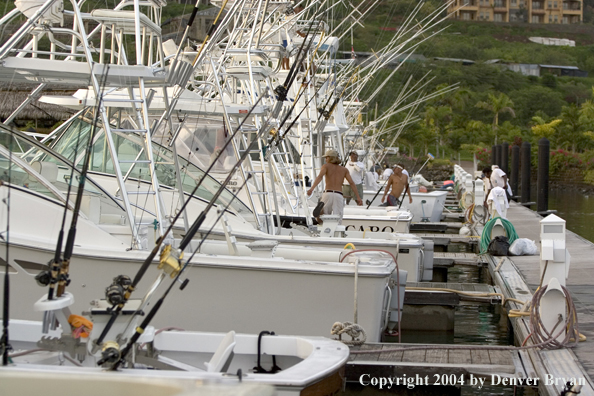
<point x="523" y="247"/>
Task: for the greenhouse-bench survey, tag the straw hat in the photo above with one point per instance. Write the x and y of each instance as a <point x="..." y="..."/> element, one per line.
<point x="331" y="153"/>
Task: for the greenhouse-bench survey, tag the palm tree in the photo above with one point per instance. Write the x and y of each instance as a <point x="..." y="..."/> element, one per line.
<point x="496" y="105"/>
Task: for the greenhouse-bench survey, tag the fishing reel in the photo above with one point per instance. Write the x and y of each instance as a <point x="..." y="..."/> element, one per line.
<point x="169" y="261"/>
<point x="110" y="354"/>
<point x="324" y="113"/>
<point x="115" y="293"/>
<point x="282" y="92"/>
<point x="44" y="278"/>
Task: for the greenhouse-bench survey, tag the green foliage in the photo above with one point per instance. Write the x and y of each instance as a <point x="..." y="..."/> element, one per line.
<point x="438" y="162"/>
<point x="562" y="159"/>
<point x="589" y="177"/>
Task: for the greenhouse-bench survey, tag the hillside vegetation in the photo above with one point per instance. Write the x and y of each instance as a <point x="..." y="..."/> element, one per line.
<point x="492" y="104"/>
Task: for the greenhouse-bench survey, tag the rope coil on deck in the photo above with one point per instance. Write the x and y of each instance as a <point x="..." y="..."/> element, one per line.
<point x="353" y="329"/>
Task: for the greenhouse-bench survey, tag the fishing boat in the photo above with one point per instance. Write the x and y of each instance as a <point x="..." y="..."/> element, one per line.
<point x="337" y="280"/>
<point x="174" y="363"/>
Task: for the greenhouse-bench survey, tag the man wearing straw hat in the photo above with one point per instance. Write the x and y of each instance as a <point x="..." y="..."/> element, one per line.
<point x="332" y="201"/>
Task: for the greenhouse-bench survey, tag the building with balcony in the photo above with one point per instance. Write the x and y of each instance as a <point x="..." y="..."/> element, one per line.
<point x="530" y="11"/>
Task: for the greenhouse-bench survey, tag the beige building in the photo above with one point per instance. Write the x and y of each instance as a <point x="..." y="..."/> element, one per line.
<point x="531" y="11"/>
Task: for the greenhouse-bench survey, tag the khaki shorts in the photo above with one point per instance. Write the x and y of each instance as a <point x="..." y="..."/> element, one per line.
<point x="347" y="191"/>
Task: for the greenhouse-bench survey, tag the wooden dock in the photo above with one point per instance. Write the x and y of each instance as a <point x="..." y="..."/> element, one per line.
<point x="518" y="277"/>
<point x="396" y="360"/>
<point x="444" y="259"/>
<point x="446" y="239"/>
<point x="420" y="293"/>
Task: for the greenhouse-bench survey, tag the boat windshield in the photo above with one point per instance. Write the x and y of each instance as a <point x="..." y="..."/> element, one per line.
<point x="40" y="170"/>
<point x="130" y="148"/>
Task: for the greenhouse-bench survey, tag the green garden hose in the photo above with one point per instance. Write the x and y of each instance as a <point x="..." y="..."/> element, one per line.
<point x="510" y="231"/>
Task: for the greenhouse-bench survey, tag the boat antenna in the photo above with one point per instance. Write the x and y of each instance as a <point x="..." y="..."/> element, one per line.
<point x="171" y="257"/>
<point x="4" y="341"/>
<point x="149" y="259"/>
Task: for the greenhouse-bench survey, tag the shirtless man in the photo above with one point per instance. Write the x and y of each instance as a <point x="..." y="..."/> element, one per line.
<point x="397" y="182"/>
<point x="332" y="199"/>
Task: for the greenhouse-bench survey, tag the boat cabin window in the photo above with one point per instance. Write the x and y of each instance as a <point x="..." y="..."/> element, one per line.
<point x="55" y="172"/>
<point x="129" y="148"/>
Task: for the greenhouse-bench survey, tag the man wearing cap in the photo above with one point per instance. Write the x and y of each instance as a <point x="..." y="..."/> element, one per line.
<point x="357" y="171"/>
<point x="332" y="201"/>
<point x="397" y="182"/>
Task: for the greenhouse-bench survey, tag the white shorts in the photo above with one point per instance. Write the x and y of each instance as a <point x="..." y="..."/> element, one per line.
<point x="333" y="203"/>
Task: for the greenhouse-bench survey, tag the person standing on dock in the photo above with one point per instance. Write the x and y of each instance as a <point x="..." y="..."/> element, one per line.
<point x="357" y="171"/>
<point x="332" y="201"/>
<point x="396" y="183"/>
<point x="498" y="178"/>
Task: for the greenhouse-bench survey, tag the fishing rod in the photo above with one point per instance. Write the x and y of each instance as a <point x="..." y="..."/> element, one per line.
<point x="283" y="89"/>
<point x="4" y="341"/>
<point x="407" y="184"/>
<point x="171" y="257"/>
<point x="113" y="353"/>
<point x="213" y="32"/>
<point x="147" y="262"/>
<point x="50" y="277"/>
<point x="59" y="274"/>
<point x="325" y="114"/>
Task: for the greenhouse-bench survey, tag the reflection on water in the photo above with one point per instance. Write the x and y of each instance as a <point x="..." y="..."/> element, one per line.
<point x="576" y="208"/>
<point x="475" y="324"/>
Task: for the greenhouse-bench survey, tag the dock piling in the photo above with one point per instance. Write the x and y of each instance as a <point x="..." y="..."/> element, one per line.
<point x="515" y="169"/>
<point x="525" y="172"/>
<point x="504" y="157"/>
<point x="542" y="182"/>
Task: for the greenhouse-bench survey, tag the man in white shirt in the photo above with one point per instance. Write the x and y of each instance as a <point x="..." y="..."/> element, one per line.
<point x="357" y="171"/>
<point x="498" y="178"/>
<point x="387" y="173"/>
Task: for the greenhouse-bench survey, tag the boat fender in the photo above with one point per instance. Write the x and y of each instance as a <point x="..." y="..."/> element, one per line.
<point x="81" y="327"/>
<point x="464" y="230"/>
<point x="169" y="260"/>
<point x="349" y="246"/>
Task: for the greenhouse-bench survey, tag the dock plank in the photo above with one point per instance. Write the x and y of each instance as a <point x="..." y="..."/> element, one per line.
<point x="414" y="356"/>
<point x="501" y="357"/>
<point x="436" y="356"/>
<point x="459" y="356"/>
<point x="480" y="356"/>
<point x="369" y="357"/>
<point x="391" y="356"/>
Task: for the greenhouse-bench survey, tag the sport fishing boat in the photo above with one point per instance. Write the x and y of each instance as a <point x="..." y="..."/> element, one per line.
<point x="269" y="282"/>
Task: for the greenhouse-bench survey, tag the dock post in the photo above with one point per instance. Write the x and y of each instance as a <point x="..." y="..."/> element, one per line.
<point x="542" y="181"/>
<point x="497" y="155"/>
<point x="554" y="266"/>
<point x="515" y="169"/>
<point x="525" y="172"/>
<point x="504" y="158"/>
